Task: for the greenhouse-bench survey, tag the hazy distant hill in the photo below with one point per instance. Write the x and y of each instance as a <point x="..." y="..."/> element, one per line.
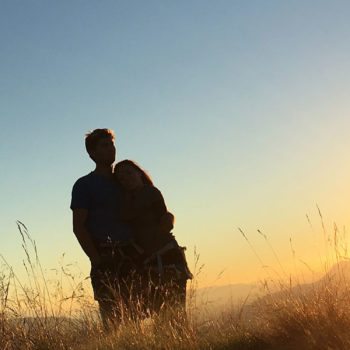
<point x="340" y="271"/>
<point x="219" y="297"/>
<point x="338" y="275"/>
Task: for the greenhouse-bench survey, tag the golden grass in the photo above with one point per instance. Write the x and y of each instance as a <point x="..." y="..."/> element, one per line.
<point x="41" y="314"/>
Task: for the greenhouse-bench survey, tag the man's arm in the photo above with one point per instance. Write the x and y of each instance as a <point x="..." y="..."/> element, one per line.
<point x="83" y="236"/>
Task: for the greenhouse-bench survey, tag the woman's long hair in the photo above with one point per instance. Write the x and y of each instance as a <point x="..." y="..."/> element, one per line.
<point x="146" y="179"/>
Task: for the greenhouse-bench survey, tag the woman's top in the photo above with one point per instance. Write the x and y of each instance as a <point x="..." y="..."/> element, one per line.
<point x="143" y="210"/>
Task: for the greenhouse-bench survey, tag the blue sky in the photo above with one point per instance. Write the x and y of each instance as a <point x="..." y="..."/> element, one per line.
<point x="239" y="110"/>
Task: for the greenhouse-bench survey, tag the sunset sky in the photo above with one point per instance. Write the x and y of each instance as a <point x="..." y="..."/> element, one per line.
<point x="239" y="110"/>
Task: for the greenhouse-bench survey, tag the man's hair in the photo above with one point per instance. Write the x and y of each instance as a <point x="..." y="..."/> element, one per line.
<point x="92" y="138"/>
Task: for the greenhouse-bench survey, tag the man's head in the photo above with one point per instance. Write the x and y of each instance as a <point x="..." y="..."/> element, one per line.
<point x="99" y="144"/>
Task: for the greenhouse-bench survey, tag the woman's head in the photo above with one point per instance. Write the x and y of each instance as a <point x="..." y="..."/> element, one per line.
<point x="130" y="175"/>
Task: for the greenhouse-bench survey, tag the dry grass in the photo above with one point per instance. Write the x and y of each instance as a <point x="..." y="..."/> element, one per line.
<point x="41" y="314"/>
<point x="318" y="318"/>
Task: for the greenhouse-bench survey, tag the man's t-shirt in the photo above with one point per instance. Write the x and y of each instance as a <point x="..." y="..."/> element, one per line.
<point x="103" y="199"/>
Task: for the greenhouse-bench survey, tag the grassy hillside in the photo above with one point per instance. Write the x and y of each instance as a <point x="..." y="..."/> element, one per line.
<point x="42" y="315"/>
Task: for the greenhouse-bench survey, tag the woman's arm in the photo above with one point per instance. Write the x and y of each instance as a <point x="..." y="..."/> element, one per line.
<point x="166" y="223"/>
<point x="165" y="218"/>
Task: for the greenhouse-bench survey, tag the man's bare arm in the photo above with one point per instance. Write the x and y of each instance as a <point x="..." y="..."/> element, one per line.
<point x="83" y="236"/>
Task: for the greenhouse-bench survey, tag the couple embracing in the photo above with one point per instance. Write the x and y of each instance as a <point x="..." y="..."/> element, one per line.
<point x="121" y="222"/>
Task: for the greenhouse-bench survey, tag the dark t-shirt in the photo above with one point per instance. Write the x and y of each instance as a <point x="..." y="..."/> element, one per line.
<point x="103" y="200"/>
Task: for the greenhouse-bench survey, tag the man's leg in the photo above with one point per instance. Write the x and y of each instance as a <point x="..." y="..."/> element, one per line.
<point x="106" y="292"/>
<point x="110" y="313"/>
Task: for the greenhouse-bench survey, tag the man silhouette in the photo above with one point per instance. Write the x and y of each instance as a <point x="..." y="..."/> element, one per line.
<point x="96" y="204"/>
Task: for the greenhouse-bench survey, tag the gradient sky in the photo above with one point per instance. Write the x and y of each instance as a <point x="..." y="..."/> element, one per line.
<point x="239" y="110"/>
